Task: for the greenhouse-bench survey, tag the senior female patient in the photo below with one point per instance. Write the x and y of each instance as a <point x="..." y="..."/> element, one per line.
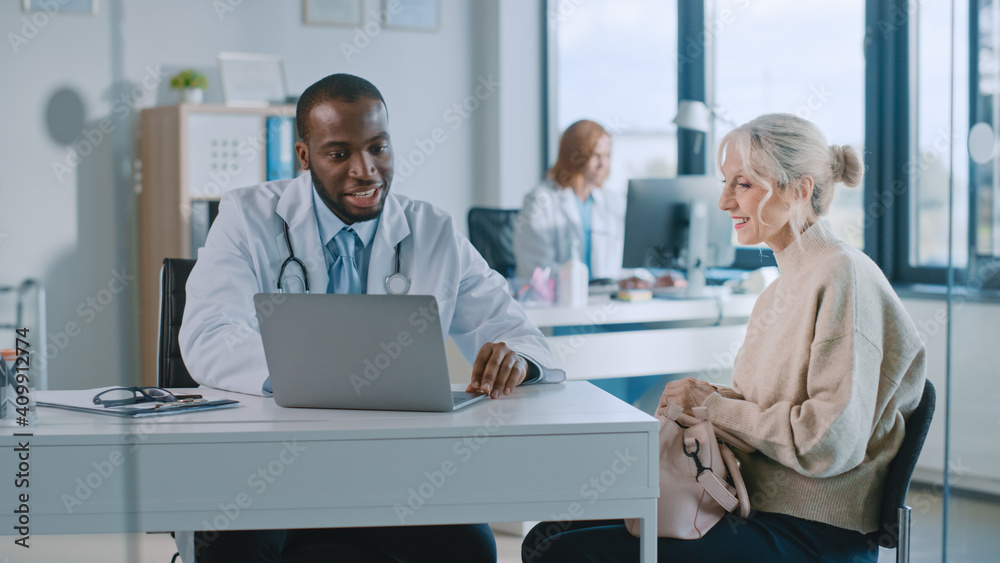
<point x="830" y="367"/>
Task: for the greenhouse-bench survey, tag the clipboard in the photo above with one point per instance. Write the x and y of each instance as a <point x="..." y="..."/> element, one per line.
<point x="83" y="401"/>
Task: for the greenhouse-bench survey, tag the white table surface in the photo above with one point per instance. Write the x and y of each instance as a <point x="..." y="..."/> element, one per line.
<point x="601" y="309"/>
<point x="698" y="336"/>
<point x="548" y="452"/>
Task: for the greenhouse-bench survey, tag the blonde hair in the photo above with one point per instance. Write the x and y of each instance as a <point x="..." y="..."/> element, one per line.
<point x="780" y="150"/>
<point x="577" y="145"/>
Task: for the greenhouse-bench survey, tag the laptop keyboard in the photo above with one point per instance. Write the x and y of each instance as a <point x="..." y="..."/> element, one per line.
<point x="461" y="397"/>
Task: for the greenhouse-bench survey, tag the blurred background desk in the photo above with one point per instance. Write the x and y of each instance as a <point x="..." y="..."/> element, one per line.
<point x="611" y="338"/>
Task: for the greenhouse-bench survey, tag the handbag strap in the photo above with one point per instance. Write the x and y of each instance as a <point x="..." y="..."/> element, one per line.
<point x="719" y="490"/>
<point x="677" y="414"/>
<point x="671" y="411"/>
<point x="714" y="485"/>
<point x="733" y="441"/>
<point x="734" y="473"/>
<point x="729" y="497"/>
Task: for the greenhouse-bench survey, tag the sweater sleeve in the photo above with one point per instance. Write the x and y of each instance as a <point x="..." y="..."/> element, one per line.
<point x="826" y="434"/>
<point x="728" y="392"/>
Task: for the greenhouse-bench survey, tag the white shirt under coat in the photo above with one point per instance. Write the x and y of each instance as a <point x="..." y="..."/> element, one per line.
<point x="549" y="223"/>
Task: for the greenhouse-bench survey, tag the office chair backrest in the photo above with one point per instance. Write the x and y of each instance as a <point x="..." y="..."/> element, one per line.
<point x="491" y="231"/>
<point x="171" y="371"/>
<point x="897" y="481"/>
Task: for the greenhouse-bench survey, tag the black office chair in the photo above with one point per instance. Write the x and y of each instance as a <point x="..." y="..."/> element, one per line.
<point x="894" y="518"/>
<point x="491" y="231"/>
<point x="170" y="369"/>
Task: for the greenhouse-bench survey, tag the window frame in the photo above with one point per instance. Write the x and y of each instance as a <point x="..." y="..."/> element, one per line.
<point x="976" y="263"/>
<point x="889" y="57"/>
<point x="890" y="63"/>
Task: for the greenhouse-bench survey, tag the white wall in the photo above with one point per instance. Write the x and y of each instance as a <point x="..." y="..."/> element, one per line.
<point x="511" y="158"/>
<point x="76" y="232"/>
<point x="66" y="232"/>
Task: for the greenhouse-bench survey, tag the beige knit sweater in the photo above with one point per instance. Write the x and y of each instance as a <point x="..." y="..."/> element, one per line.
<point x="830" y="366"/>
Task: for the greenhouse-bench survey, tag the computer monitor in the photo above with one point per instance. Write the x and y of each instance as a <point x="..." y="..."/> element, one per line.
<point x="675" y="223"/>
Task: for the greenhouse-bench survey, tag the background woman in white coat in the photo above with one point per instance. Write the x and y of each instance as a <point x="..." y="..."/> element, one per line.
<point x="570" y="209"/>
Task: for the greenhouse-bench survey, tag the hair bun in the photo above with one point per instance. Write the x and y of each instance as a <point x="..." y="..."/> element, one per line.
<point x="847" y="167"/>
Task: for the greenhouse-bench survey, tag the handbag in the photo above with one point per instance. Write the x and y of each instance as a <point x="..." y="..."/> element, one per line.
<point x="695" y="463"/>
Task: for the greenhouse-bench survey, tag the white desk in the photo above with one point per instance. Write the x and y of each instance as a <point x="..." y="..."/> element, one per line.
<point x="678" y="336"/>
<point x="548" y="452"/>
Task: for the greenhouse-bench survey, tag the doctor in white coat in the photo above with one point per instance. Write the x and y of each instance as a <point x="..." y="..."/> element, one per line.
<point x="570" y="209"/>
<point x="572" y="212"/>
<point x="342" y="120"/>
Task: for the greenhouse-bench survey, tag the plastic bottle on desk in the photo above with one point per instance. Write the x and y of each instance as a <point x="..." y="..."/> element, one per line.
<point x="573" y="280"/>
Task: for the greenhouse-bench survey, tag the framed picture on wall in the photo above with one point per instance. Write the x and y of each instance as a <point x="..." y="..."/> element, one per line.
<point x="62" y="6"/>
<point x="252" y="80"/>
<point x="420" y="15"/>
<point x="332" y="12"/>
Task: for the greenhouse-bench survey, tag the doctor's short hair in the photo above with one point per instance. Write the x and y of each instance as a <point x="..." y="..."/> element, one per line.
<point x="780" y="149"/>
<point x="336" y="87"/>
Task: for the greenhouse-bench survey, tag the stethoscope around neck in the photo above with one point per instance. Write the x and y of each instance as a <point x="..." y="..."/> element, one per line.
<point x="395" y="284"/>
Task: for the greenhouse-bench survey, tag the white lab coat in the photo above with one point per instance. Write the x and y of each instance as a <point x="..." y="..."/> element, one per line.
<point x="550" y="221"/>
<point x="219" y="336"/>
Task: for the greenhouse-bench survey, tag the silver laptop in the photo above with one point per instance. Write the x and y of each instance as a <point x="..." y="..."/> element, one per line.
<point x="379" y="352"/>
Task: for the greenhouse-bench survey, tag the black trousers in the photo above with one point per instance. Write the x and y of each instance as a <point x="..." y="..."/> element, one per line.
<point x="764" y="537"/>
<point x="472" y="543"/>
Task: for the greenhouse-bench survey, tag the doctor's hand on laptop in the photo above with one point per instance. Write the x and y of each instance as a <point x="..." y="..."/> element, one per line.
<point x="498" y="369"/>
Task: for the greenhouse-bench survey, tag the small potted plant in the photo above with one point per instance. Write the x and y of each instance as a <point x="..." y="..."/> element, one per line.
<point x="192" y="85"/>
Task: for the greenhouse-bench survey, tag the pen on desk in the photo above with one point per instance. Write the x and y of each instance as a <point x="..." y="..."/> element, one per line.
<point x="187" y="401"/>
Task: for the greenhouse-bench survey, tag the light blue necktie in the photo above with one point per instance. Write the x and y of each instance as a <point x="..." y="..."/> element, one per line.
<point x="344" y="276"/>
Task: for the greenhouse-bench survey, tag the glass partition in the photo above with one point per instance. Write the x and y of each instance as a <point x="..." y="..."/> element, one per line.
<point x="971" y="496"/>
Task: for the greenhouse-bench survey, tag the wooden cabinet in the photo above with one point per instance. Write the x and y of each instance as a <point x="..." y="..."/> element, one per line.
<point x="191" y="155"/>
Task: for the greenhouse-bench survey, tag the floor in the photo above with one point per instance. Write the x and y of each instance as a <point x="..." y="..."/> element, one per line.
<point x="974" y="534"/>
<point x="141" y="548"/>
<point x="973" y="530"/>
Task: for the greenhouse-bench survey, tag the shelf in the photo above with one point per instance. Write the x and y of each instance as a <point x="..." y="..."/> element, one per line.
<point x="190" y="153"/>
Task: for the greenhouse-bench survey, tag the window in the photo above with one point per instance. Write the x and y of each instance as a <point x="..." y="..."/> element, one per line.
<point x="769" y="57"/>
<point x="933" y="136"/>
<point x="984" y="203"/>
<point x="616" y="63"/>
